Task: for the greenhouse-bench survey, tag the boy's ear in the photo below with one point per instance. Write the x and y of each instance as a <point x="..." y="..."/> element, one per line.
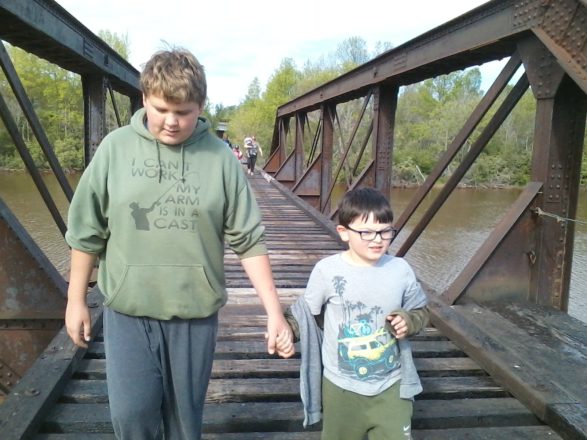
<point x="342" y="232"/>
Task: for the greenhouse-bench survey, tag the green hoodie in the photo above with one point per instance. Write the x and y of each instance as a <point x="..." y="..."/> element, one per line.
<point x="157" y="216"/>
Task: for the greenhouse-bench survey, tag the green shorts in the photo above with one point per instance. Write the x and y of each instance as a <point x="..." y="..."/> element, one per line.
<point x="349" y="416"/>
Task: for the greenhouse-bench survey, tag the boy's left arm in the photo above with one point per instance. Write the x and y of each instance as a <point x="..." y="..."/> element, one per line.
<point x="403" y="323"/>
<point x="279" y="334"/>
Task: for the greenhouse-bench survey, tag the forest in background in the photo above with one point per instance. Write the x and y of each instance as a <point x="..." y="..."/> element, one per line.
<point x="429" y="115"/>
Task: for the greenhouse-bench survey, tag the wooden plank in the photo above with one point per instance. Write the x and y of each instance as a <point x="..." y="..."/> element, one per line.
<point x="287" y="416"/>
<point x="239" y="368"/>
<point x="253" y="389"/>
<point x="258" y="349"/>
<point x="501" y="433"/>
<point x="553" y="328"/>
<point x="549" y="380"/>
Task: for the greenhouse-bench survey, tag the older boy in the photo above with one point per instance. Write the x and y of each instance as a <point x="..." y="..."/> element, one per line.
<point x="371" y="302"/>
<point x="155" y="206"/>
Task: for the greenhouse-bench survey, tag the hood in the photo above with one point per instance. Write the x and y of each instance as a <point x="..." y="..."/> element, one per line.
<point x="138" y="123"/>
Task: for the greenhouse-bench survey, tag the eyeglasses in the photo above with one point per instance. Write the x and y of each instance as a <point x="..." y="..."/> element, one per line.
<point x="385" y="234"/>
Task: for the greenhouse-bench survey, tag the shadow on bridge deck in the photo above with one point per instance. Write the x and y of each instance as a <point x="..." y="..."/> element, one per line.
<point x="256" y="396"/>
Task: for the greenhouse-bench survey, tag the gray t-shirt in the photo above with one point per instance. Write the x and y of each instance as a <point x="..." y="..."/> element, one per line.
<point x="358" y="354"/>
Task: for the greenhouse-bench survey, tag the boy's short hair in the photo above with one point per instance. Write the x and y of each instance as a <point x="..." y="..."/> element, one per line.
<point x="176" y="75"/>
<point x="359" y="203"/>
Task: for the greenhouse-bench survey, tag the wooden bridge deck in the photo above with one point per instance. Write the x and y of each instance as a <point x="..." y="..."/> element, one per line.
<point x="255" y="396"/>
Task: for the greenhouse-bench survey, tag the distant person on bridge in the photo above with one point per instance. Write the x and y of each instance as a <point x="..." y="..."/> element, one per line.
<point x="163" y="279"/>
<point x="370" y="301"/>
<point x="252" y="148"/>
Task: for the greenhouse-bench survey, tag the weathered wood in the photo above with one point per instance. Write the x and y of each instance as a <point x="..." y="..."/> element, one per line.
<point x="501" y="433"/>
<point x="238" y="368"/>
<point x="253" y="389"/>
<point x="287" y="416"/>
<point x="544" y="371"/>
<point x="258" y="349"/>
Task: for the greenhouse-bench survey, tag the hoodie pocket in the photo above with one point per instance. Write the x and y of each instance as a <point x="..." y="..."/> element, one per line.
<point x="165" y="291"/>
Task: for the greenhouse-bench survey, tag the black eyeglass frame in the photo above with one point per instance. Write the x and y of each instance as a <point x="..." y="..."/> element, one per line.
<point x="376" y="233"/>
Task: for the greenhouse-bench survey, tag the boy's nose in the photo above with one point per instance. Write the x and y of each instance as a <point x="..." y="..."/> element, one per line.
<point x="171" y="120"/>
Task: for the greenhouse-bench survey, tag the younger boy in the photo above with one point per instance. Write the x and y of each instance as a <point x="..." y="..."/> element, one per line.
<point x="371" y="302"/>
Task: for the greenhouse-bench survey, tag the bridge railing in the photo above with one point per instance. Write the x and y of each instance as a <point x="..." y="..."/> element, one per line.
<point x="528" y="256"/>
<point x="30" y="318"/>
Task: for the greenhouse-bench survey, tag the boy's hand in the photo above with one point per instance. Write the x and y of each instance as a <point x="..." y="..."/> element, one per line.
<point x="284" y="344"/>
<point x="399" y="326"/>
<point x="280" y="338"/>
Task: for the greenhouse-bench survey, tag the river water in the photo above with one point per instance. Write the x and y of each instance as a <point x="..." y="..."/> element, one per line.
<point x="440" y="253"/>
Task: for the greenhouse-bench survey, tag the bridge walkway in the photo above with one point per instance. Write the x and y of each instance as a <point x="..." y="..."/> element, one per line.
<point x="256" y="396"/>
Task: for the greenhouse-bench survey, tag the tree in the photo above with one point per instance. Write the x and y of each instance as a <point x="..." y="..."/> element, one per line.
<point x="351" y="53"/>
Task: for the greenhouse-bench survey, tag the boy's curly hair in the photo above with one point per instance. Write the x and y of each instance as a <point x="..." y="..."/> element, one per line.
<point x="176" y="75"/>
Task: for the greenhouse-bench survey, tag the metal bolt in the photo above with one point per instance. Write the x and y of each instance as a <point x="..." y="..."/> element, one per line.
<point x="32" y="392"/>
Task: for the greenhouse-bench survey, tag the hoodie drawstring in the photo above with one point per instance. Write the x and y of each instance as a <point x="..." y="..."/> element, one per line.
<point x="159" y="161"/>
<point x="182" y="163"/>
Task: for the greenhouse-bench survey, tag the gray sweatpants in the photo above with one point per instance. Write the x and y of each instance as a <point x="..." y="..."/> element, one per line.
<point x="157" y="374"/>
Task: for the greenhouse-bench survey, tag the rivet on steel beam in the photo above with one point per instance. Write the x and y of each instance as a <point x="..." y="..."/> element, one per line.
<point x="32" y="392"/>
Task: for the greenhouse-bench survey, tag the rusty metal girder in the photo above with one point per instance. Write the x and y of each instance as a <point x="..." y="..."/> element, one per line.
<point x="94" y="89"/>
<point x="55" y="35"/>
<point x="563" y="31"/>
<point x="32" y="299"/>
<point x="286" y="174"/>
<point x="500" y="268"/>
<point x="481" y="35"/>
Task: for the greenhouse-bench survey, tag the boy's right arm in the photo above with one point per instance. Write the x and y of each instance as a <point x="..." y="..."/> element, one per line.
<point x="77" y="313"/>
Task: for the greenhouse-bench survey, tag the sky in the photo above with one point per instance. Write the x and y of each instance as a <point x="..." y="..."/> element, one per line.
<point x="238" y="41"/>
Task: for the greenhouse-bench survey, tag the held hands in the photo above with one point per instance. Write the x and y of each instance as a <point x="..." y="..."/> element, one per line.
<point x="399" y="326"/>
<point x="279" y="338"/>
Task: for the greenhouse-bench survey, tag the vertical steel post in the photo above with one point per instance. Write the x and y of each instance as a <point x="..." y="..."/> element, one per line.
<point x="94" y="89"/>
<point x="283" y="133"/>
<point x="299" y="145"/>
<point x="384" y="108"/>
<point x="326" y="156"/>
<point x="561" y="110"/>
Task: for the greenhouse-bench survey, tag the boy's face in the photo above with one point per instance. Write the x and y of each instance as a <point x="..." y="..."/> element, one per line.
<point x="170" y="122"/>
<point x="364" y="252"/>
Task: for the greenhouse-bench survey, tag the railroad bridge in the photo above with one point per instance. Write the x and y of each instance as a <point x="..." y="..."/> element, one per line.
<point x="502" y="358"/>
